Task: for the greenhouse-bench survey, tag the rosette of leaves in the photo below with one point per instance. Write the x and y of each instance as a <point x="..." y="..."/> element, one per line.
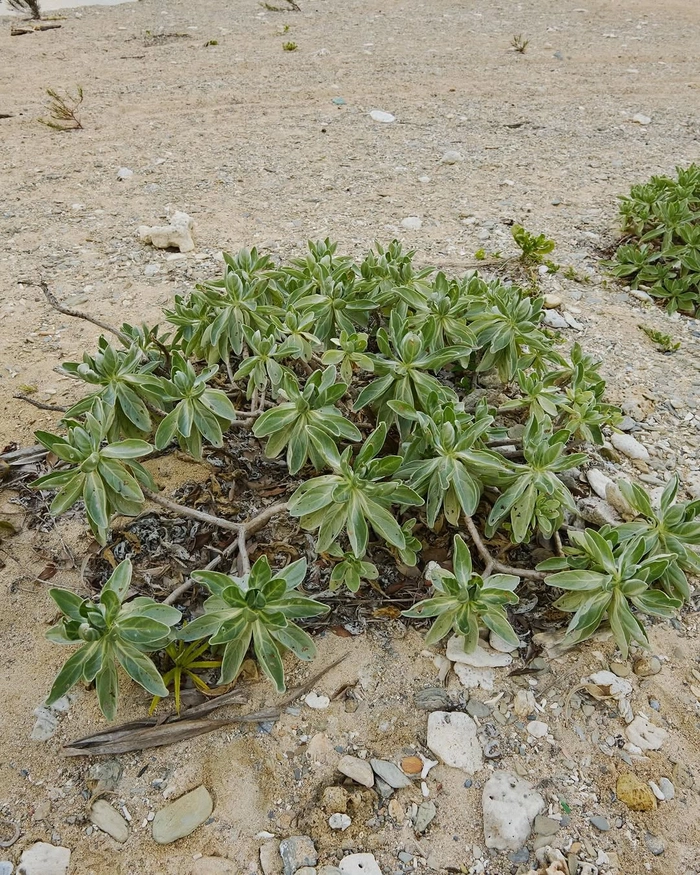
<point x="185" y="660"/>
<point x="258" y="607"/>
<point x="672" y="529"/>
<point x="308" y="423"/>
<point x="127" y="385"/>
<point x="350" y="353"/>
<point x="358" y="495"/>
<point x="105" y="475"/>
<point x="403" y="372"/>
<point x="297" y="332"/>
<point x="536" y="499"/>
<point x="386" y="271"/>
<point x="506" y="324"/>
<point x="200" y="411"/>
<point x="539" y="394"/>
<point x="154" y="345"/>
<point x="681" y="294"/>
<point x="440" y="314"/>
<point x="612" y="580"/>
<point x="262" y="366"/>
<point x="451" y="459"/>
<point x="464" y="600"/>
<point x="111" y="633"/>
<point x="350" y="571"/>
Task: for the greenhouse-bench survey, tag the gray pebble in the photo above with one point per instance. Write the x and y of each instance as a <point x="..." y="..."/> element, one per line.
<point x="667" y="789"/>
<point x="6" y="868"/>
<point x="426" y="812"/>
<point x="475" y="708"/>
<point x="433" y="699"/>
<point x="655" y="844"/>
<point x="404" y="856"/>
<point x="546" y="826"/>
<point x="297" y="852"/>
<point x="521" y="856"/>
<point x="600" y="823"/>
<point x="390" y="773"/>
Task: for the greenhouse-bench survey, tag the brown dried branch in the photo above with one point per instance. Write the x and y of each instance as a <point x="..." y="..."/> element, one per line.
<point x="78" y="314"/>
<point x="20" y="396"/>
<point x="491" y="564"/>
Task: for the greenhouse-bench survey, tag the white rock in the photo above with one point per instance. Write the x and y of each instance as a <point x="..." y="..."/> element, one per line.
<point x="510" y="805"/>
<point x="316" y="701"/>
<point x="452" y="738"/>
<point x="551" y="302"/>
<point x="598" y="481"/>
<point x="500" y="644"/>
<point x="44" y="859"/>
<point x="612" y="685"/>
<point x="655" y="789"/>
<point x="524" y="703"/>
<point x="630" y="447"/>
<point x="378" y="116"/>
<point x="339" y="821"/>
<point x="475" y="678"/>
<point x="641" y="119"/>
<point x="553" y="319"/>
<point x="109" y="820"/>
<point x="359" y="770"/>
<point x="667" y="789"/>
<point x="412" y="223"/>
<point x="359" y="864"/>
<point x="644" y="734"/>
<point x="573" y="322"/>
<point x="537" y="729"/>
<point x="480" y="657"/>
<point x="124" y="173"/>
<point x="452" y="156"/>
<point x="178" y="234"/>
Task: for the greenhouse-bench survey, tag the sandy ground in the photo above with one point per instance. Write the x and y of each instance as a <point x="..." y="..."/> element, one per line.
<point x="245" y="137"/>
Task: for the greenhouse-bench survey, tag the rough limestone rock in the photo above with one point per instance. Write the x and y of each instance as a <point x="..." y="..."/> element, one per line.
<point x="44" y="859"/>
<point x="636" y="795"/>
<point x="475" y="678"/>
<point x="176" y="235"/>
<point x="359" y="864"/>
<point x="644" y="734"/>
<point x="297" y="852"/>
<point x="183" y="816"/>
<point x="481" y="657"/>
<point x="452" y="738"/>
<point x="510" y="806"/>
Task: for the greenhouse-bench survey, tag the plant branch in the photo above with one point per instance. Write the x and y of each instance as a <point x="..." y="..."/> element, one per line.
<point x="39" y="404"/>
<point x="78" y="314"/>
<point x="492" y="564"/>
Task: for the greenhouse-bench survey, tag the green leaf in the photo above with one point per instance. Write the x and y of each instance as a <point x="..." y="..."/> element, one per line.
<point x="107" y="686"/>
<point x="268" y="656"/>
<point x="140" y="668"/>
<point x="69" y="675"/>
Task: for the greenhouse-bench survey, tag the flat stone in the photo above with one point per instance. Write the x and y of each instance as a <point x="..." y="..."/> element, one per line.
<point x="297" y="852"/>
<point x="500" y="644"/>
<point x="45" y="726"/>
<point x="554" y="319"/>
<point x="359" y="864"/>
<point x="452" y="738"/>
<point x="270" y="860"/>
<point x="432" y="699"/>
<point x="412" y="765"/>
<point x="183" y="816"/>
<point x="425" y="814"/>
<point x="475" y="678"/>
<point x="598" y="481"/>
<point x="630" y="447"/>
<point x="667" y="789"/>
<point x="359" y="770"/>
<point x="621" y="669"/>
<point x="656" y="790"/>
<point x="537" y="729"/>
<point x="390" y="773"/>
<point x="634" y="793"/>
<point x="329" y="870"/>
<point x="339" y="821"/>
<point x="378" y="115"/>
<point x="655" y="844"/>
<point x="480" y="657"/>
<point x="521" y="856"/>
<point x="317" y="702"/>
<point x="475" y="708"/>
<point x="546" y="826"/>
<point x="600" y="823"/>
<point x="524" y="703"/>
<point x="6" y="868"/>
<point x="641" y="119"/>
<point x="105" y="775"/>
<point x="510" y="805"/>
<point x="109" y="820"/>
<point x="644" y="734"/>
<point x="44" y="859"/>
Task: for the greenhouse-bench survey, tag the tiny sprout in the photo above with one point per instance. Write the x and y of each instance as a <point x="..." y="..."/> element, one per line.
<point x="289" y="47"/>
<point x="519" y="44"/>
<point x="664" y="342"/>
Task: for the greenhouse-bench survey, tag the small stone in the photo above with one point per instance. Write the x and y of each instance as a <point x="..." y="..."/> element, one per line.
<point x="598" y="481"/>
<point x="500" y="644"/>
<point x="600" y="823"/>
<point x="124" y="173"/>
<point x="551" y="302"/>
<point x="396" y="810"/>
<point x="412" y="765"/>
<point x="151" y="270"/>
<point x="667" y="789"/>
<point x="378" y="115"/>
<point x="475" y="678"/>
<point x="44" y="859"/>
<point x="480" y="657"/>
<point x="537" y="729"/>
<point x="655" y="844"/>
<point x="183" y="816"/>
<point x="647" y="666"/>
<point x="329" y="870"/>
<point x="109" y="820"/>
<point x="45" y="726"/>
<point x="630" y="447"/>
<point x="520" y="856"/>
<point x="359" y="864"/>
<point x="335" y="799"/>
<point x="433" y="699"/>
<point x="621" y="669"/>
<point x="425" y="814"/>
<point x="509" y="806"/>
<point x="452" y="738"/>
<point x="404" y="857"/>
<point x="554" y="319"/>
<point x="316" y="701"/>
<point x="635" y="794"/>
<point x="339" y="821"/>
<point x="42" y="811"/>
<point x="359" y="770"/>
<point x="524" y="703"/>
<point x="390" y="773"/>
<point x="105" y="775"/>
<point x="412" y="223"/>
<point x="270" y="860"/>
<point x="477" y="709"/>
<point x="176" y="235"/>
<point x="451" y="157"/>
<point x="6" y="868"/>
<point x="546" y="826"/>
<point x="644" y="734"/>
<point x="384" y="790"/>
<point x="306" y="870"/>
<point x="641" y="119"/>
<point x="656" y="790"/>
<point x="297" y="852"/>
